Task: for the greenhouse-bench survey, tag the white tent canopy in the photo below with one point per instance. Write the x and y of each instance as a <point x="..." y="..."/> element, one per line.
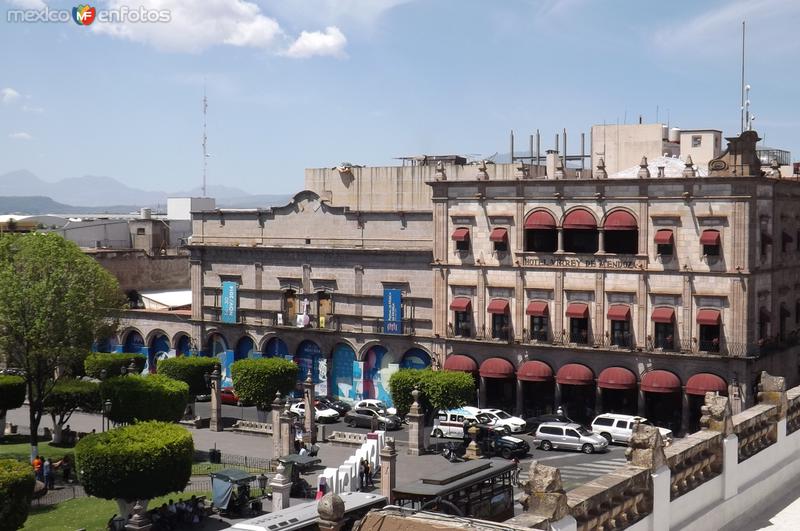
<point x="167" y="300"/>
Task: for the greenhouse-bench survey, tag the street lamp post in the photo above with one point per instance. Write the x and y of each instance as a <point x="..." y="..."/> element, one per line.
<point x="106" y="422"/>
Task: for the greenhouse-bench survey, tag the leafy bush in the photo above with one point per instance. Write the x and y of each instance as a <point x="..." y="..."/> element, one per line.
<point x="112" y="363"/>
<point x="69" y="395"/>
<point x="139" y="398"/>
<point x="189" y="369"/>
<point x="16" y="491"/>
<point x="12" y="392"/>
<point x="135" y="462"/>
<point x="440" y="389"/>
<point x="257" y="380"/>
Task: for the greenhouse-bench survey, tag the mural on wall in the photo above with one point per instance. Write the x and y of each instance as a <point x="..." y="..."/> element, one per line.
<point x="309" y="357"/>
<point x="159" y="349"/>
<point x="134" y="342"/>
<point x="377" y="371"/>
<point x="184" y="346"/>
<point x="218" y="348"/>
<point x="245" y="348"/>
<point x="415" y="358"/>
<point x="342" y="373"/>
<point x="108" y="344"/>
<point x="276" y="348"/>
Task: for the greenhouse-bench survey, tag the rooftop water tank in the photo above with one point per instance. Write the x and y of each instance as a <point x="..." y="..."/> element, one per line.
<point x="675" y="134"/>
<point x="145" y="213"/>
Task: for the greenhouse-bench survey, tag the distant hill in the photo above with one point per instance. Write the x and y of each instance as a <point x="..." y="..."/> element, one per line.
<point x="35" y="205"/>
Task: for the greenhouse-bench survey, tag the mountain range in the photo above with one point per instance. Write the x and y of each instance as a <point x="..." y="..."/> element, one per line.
<point x="106" y="194"/>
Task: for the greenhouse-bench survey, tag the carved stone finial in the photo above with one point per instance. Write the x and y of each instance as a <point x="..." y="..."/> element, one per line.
<point x="139" y="520"/>
<point x="388" y="446"/>
<point x="776" y="169"/>
<point x="772" y="390"/>
<point x="544" y="493"/>
<point x="644" y="171"/>
<point x="278" y="402"/>
<point x="688" y="169"/>
<point x="716" y="414"/>
<point x="331" y="508"/>
<point x="600" y="172"/>
<point x="309" y="378"/>
<point x="440" y="175"/>
<point x="415" y="393"/>
<point x="483" y="175"/>
<point x="646" y="448"/>
<point x="560" y="174"/>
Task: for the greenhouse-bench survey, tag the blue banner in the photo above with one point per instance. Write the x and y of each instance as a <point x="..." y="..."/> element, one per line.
<point x="392" y="311"/>
<point x="229" y="298"/>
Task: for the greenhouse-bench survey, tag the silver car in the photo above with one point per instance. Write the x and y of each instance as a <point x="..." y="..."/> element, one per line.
<point x="569" y="436"/>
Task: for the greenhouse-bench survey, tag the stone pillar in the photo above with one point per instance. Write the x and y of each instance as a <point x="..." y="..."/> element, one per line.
<point x="520" y="398"/>
<point x="560" y="233"/>
<point x="287" y="433"/>
<point x="601" y="241"/>
<point x="281" y="487"/>
<point x="481" y="392"/>
<point x="646" y="450"/>
<point x="557" y="396"/>
<point x="473" y="450"/>
<point x="543" y="494"/>
<point x="388" y="469"/>
<point x="139" y="521"/>
<point x="308" y="397"/>
<point x="277" y="407"/>
<point x="772" y="390"/>
<point x="598" y="399"/>
<point x="331" y="513"/>
<point x="684" y="411"/>
<point x="416" y="426"/>
<point x="216" y="404"/>
<point x="641" y="403"/>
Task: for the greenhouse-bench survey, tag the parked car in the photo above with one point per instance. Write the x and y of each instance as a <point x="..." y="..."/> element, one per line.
<point x="340" y="406"/>
<point x="451" y="423"/>
<point x="570" y="436"/>
<point x="498" y="419"/>
<point x="228" y="396"/>
<point x="532" y="423"/>
<point x="619" y="428"/>
<point x="321" y="413"/>
<point x="491" y="443"/>
<point x="377" y="405"/>
<point x="364" y="417"/>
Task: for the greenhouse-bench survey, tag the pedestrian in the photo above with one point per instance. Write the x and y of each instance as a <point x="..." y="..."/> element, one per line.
<point x="368" y="474"/>
<point x="322" y="488"/>
<point x="515" y="476"/>
<point x="37" y="468"/>
<point x="49" y="474"/>
<point x="559" y="411"/>
<point x="66" y="468"/>
<point x="303" y="450"/>
<point x="361" y="473"/>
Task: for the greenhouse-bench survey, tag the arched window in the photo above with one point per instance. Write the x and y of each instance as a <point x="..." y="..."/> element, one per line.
<point x="580" y="232"/>
<point x="621" y="233"/>
<point x="540" y="232"/>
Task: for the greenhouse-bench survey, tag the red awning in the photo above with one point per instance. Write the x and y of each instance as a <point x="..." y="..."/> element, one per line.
<point x="764" y="315"/>
<point x="703" y="383"/>
<point x="498" y="235"/>
<point x="663" y="315"/>
<point x="457" y="362"/>
<point x="498" y="306"/>
<point x="575" y="374"/>
<point x="708" y="317"/>
<point x="766" y="238"/>
<point x="579" y="219"/>
<point x="497" y="368"/>
<point x="461" y="304"/>
<point x="616" y="378"/>
<point x="664" y="237"/>
<point x="660" y="382"/>
<point x="619" y="312"/>
<point x="541" y="220"/>
<point x="535" y="371"/>
<point x="461" y="234"/>
<point x="709" y="237"/>
<point x="578" y="310"/>
<point x="620" y="220"/>
<point x="537" y="308"/>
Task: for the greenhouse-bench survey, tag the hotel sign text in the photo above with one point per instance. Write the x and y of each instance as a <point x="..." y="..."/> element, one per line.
<point x="589" y="262"/>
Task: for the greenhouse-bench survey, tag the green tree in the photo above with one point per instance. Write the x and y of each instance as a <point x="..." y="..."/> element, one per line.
<point x="137" y="398"/>
<point x="16" y="491"/>
<point x="256" y="380"/>
<point x="12" y="396"/>
<point x="190" y="370"/>
<point x="54" y="302"/>
<point x="136" y="462"/>
<point x="66" y="397"/>
<point x="112" y="363"/>
<point x="440" y="389"/>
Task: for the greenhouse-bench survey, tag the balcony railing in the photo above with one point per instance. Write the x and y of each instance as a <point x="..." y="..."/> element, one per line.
<point x="403" y="327"/>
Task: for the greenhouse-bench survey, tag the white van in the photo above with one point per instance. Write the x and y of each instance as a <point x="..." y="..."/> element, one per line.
<point x="451" y="423"/>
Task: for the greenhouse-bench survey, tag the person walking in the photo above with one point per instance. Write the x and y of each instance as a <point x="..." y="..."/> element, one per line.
<point x="368" y="474"/>
<point x="49" y="474"/>
<point x="362" y="471"/>
<point x="37" y="468"/>
<point x="515" y="473"/>
<point x="66" y="468"/>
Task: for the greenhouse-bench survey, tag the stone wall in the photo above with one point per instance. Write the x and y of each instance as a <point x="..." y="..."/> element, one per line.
<point x="136" y="270"/>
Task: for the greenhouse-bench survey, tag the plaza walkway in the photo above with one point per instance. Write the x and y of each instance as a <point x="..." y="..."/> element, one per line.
<point x="782" y="515"/>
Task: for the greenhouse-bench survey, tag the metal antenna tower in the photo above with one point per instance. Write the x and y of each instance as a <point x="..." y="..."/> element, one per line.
<point x="205" y="139"/>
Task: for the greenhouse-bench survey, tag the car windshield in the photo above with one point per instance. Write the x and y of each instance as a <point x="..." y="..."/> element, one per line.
<point x="483" y="418"/>
<point x="583" y="431"/>
<point x="502" y="415"/>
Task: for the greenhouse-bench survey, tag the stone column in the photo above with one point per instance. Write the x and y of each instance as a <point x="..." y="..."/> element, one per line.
<point x="640" y="403"/>
<point x="215" y="423"/>
<point x="416" y="426"/>
<point x="388" y="469"/>
<point x="287" y="433"/>
<point x="544" y="496"/>
<point x="684" y="411"/>
<point x="331" y="513"/>
<point x="277" y="407"/>
<point x="560" y="233"/>
<point x="557" y="395"/>
<point x="473" y="450"/>
<point x="139" y="521"/>
<point x="520" y="398"/>
<point x="598" y="399"/>
<point x="601" y="241"/>
<point x="281" y="487"/>
<point x="481" y="392"/>
<point x="308" y="397"/>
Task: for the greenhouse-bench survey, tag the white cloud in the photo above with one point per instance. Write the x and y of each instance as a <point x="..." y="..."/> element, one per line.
<point x="32" y="109"/>
<point x="28" y="4"/>
<point x="330" y="42"/>
<point x="20" y="136"/>
<point x="334" y="12"/>
<point x="8" y="95"/>
<point x="195" y="26"/>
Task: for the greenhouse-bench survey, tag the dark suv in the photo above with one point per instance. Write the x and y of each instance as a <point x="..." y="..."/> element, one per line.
<point x="491" y="443"/>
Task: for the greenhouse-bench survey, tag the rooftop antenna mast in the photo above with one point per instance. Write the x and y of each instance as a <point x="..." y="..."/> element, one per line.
<point x="743" y="90"/>
<point x="205" y="139"/>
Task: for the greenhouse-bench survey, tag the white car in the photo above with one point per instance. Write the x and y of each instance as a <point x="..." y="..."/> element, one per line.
<point x="498" y="419"/>
<point x="375" y="405"/>
<point x="321" y="414"/>
<point x="619" y="428"/>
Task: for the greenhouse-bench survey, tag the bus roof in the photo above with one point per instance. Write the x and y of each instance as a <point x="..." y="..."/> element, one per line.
<point x="453" y="477"/>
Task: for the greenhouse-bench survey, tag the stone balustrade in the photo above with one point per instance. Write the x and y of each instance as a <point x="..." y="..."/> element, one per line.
<point x="251" y="426"/>
<point x="793" y="410"/>
<point x="756" y="429"/>
<point x="346" y="437"/>
<point x="612" y="501"/>
<point x="693" y="460"/>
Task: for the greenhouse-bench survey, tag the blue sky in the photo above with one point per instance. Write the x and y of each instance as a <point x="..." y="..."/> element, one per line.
<point x="307" y="83"/>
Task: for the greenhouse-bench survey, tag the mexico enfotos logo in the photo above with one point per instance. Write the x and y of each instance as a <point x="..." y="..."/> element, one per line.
<point x="86" y="15"/>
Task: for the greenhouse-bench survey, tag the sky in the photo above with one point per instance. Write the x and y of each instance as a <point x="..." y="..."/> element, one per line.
<point x="293" y="84"/>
